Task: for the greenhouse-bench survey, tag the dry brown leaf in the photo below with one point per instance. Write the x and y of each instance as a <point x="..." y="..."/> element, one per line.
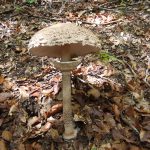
<point x="54" y="134"/>
<point x="7" y="84"/>
<point x="24" y="92"/>
<point x="143" y="106"/>
<point x="46" y="127"/>
<point x="137" y="95"/>
<point x="106" y="146"/>
<point x="47" y="91"/>
<point x="119" y="146"/>
<point x="7" y="135"/>
<point x="117" y="99"/>
<point x="116" y="111"/>
<point x="56" y="88"/>
<point x="145" y="136"/>
<point x="94" y="92"/>
<point x="3" y="145"/>
<point x="1" y="79"/>
<point x="33" y="121"/>
<point x="28" y="147"/>
<point x="146" y="123"/>
<point x="108" y="71"/>
<point x="55" y="109"/>
<point x="78" y="117"/>
<point x="51" y="119"/>
<point x="13" y="109"/>
<point x="4" y="96"/>
<point x="109" y="119"/>
<point x="21" y="147"/>
<point x="116" y="134"/>
<point x="133" y="147"/>
<point x="1" y="121"/>
<point x="130" y="112"/>
<point x="36" y="146"/>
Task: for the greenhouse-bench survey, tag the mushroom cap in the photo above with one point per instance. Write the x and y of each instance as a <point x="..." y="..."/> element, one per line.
<point x="64" y="39"/>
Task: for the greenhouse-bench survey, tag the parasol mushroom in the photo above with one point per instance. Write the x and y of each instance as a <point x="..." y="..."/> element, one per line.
<point x="65" y="41"/>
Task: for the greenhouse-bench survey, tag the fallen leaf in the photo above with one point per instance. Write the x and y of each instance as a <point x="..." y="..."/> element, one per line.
<point x="24" y="94"/>
<point x="94" y="92"/>
<point x="7" y="84"/>
<point x="47" y="91"/>
<point x="36" y="146"/>
<point x="33" y="121"/>
<point x="51" y="119"/>
<point x="145" y="136"/>
<point x="21" y="147"/>
<point x="3" y="145"/>
<point x="119" y="146"/>
<point x="143" y="106"/>
<point x="46" y="127"/>
<point x="13" y="109"/>
<point x="1" y="79"/>
<point x="133" y="147"/>
<point x="55" y="109"/>
<point x="105" y="146"/>
<point x="116" y="134"/>
<point x="116" y="111"/>
<point x="28" y="147"/>
<point x="54" y="134"/>
<point x="7" y="135"/>
<point x="1" y="121"/>
<point x="4" y="96"/>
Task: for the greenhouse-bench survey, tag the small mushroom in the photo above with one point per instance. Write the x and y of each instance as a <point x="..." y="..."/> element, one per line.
<point x="65" y="41"/>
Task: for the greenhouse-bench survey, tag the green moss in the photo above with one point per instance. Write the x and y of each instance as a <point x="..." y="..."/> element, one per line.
<point x="107" y="57"/>
<point x="31" y="1"/>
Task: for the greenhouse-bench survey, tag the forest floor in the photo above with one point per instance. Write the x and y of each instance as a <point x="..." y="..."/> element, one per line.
<point x="110" y="89"/>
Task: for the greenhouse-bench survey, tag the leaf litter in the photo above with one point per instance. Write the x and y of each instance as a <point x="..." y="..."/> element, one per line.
<point x="110" y="90"/>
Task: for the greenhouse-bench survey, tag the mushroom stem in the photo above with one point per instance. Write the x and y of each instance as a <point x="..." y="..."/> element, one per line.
<point x="66" y="67"/>
<point x="70" y="131"/>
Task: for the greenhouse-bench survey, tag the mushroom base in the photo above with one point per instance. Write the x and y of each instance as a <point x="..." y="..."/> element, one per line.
<point x="70" y="134"/>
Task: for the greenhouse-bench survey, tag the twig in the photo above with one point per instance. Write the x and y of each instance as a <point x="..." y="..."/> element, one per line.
<point x="44" y="18"/>
<point x="136" y="76"/>
<point x="7" y="11"/>
<point x="108" y="9"/>
<point x="147" y="71"/>
<point x="128" y="122"/>
<point x="115" y="21"/>
<point x="133" y="72"/>
<point x="108" y="3"/>
<point x="92" y="23"/>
